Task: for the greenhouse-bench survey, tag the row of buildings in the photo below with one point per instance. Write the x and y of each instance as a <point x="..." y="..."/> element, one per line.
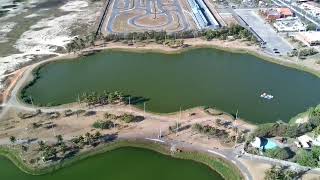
<point x="202" y="15"/>
<point x="311" y="8"/>
<point x="283" y="19"/>
<point x="272" y="14"/>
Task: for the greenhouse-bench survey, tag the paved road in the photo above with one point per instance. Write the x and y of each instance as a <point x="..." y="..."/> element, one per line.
<point x="265" y="31"/>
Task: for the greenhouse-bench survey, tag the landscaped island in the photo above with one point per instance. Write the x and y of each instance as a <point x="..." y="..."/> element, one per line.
<point x="201" y="77"/>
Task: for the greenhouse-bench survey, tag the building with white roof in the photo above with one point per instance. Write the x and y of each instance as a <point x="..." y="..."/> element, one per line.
<point x="311" y="38"/>
<point x="290" y="24"/>
<point x="305" y="141"/>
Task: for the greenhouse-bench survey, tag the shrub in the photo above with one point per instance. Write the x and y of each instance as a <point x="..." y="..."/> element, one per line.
<point x="280" y="173"/>
<point x="110" y="116"/>
<point x="103" y="124"/>
<point x="127" y="118"/>
<point x="279" y="153"/>
<point x="314" y="116"/>
<point x="306" y="158"/>
<point x="210" y="131"/>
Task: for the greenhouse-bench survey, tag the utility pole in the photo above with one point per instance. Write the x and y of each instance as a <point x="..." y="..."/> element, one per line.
<point x="177" y="123"/>
<point x="31" y="100"/>
<point x="78" y="99"/>
<point x="160" y="133"/>
<point x="237" y="114"/>
<point x="165" y="37"/>
<point x="155" y="10"/>
<point x="133" y="39"/>
<point x="237" y="134"/>
<point x="236" y="129"/>
<point x="130" y="102"/>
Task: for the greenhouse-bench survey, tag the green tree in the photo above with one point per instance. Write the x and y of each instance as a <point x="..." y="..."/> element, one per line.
<point x="306" y="158"/>
<point x="100" y="124"/>
<point x="127" y="118"/>
<point x="49" y="153"/>
<point x="42" y="145"/>
<point x="12" y="139"/>
<point x="278" y="153"/>
<point x="273" y="173"/>
<point x="97" y="135"/>
<point x="59" y="139"/>
<point x="280" y="173"/>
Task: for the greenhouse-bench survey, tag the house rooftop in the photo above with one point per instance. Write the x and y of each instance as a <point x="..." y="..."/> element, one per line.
<point x="285" y="11"/>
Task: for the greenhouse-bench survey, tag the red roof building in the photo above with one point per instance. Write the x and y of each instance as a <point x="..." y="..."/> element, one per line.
<point x="285" y="12"/>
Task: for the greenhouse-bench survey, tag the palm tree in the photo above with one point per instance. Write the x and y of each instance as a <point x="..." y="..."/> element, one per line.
<point x="42" y="145"/>
<point x="69" y="47"/>
<point x="82" y="43"/>
<point x="97" y="135"/>
<point x="59" y="139"/>
<point x="87" y="38"/>
<point x="289" y="175"/>
<point x="88" y="137"/>
<point x="64" y="148"/>
<point x="273" y="173"/>
<point x="12" y="139"/>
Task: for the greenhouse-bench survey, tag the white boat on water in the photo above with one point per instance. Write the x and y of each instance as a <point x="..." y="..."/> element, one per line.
<point x="266" y="96"/>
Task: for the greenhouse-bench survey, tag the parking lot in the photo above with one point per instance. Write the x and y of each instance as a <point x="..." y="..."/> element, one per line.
<point x="274" y="42"/>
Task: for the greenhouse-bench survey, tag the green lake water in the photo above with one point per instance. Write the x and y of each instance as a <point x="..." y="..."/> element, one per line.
<point x="120" y="164"/>
<point x="200" y="77"/>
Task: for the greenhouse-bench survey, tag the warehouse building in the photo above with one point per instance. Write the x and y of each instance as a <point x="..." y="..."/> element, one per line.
<point x="202" y="15"/>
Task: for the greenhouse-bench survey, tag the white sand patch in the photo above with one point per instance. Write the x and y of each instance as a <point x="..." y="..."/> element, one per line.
<point x="302" y="120"/>
<point x="21" y="7"/>
<point x="5" y="28"/>
<point x="32" y="15"/>
<point x="74" y="6"/>
<point x="53" y="32"/>
<point x="46" y="35"/>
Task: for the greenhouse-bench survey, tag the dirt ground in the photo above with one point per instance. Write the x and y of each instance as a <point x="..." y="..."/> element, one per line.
<point x="12" y="80"/>
<point x="151" y="126"/>
<point x="257" y="170"/>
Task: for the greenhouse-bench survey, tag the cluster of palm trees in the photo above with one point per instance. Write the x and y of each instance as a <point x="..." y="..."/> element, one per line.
<point x="104" y="98"/>
<point x="87" y="139"/>
<point x="49" y="152"/>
